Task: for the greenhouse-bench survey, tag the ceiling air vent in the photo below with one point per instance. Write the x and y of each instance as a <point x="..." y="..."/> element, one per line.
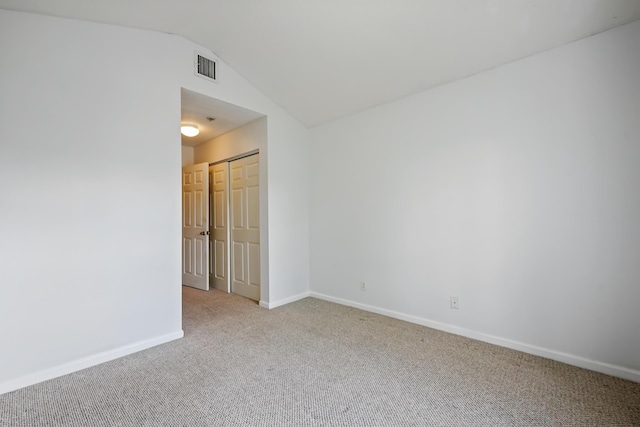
<point x="207" y="68"/>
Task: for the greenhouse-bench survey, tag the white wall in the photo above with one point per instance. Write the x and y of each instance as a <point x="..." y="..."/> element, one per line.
<point x="90" y="164"/>
<point x="187" y="155"/>
<point x="242" y="140"/>
<point x="515" y="189"/>
<point x="245" y="139"/>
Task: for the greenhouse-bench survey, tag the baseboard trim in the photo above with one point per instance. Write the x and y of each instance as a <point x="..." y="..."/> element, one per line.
<point x="86" y="362"/>
<point x="270" y="305"/>
<point x="570" y="359"/>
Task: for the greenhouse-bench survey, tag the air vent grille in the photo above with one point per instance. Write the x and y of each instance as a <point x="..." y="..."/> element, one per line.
<point x="206" y="67"/>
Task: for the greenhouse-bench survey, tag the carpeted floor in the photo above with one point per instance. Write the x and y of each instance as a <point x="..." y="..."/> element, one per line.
<point x="314" y="363"/>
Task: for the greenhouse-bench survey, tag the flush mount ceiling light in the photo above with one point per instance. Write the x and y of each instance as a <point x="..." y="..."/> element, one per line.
<point x="188" y="129"/>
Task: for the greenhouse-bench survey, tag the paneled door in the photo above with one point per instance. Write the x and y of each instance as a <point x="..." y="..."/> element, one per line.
<point x="195" y="226"/>
<point x="219" y="250"/>
<point x="245" y="226"/>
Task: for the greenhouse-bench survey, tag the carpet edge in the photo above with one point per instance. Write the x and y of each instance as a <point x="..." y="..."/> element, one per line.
<point x="86" y="362"/>
<point x="284" y="301"/>
<point x="570" y="359"/>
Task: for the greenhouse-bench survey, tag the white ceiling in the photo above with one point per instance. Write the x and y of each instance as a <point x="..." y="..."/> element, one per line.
<point x="197" y="107"/>
<point x="323" y="59"/>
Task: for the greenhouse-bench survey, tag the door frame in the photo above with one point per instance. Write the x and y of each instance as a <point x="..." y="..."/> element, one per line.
<point x="229" y="149"/>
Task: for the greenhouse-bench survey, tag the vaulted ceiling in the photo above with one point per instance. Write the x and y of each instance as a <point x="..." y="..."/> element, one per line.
<point x="324" y="59"/>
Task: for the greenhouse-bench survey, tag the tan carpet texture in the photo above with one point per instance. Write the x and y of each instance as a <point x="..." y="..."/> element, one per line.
<point x="315" y="363"/>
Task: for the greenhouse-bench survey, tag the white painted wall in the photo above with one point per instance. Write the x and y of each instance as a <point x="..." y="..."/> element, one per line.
<point x="187" y="155"/>
<point x="245" y="139"/>
<point x="90" y="165"/>
<point x="515" y="189"/>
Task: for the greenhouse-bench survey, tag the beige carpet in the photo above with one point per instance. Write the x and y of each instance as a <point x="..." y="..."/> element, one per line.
<point x="314" y="363"/>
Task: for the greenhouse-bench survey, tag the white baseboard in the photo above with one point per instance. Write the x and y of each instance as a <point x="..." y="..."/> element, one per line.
<point x="605" y="368"/>
<point x="86" y="362"/>
<point x="284" y="301"/>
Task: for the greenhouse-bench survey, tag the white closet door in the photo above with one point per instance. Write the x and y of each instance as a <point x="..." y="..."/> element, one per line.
<point x="195" y="226"/>
<point x="245" y="226"/>
<point x="219" y="251"/>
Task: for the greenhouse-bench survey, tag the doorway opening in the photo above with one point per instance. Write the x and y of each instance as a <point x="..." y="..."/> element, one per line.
<point x="224" y="197"/>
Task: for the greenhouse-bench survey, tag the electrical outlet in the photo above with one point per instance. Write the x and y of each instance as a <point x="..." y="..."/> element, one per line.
<point x="363" y="286"/>
<point x="454" y="302"/>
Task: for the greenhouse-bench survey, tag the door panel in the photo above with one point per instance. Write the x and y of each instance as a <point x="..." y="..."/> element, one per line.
<point x="219" y="228"/>
<point x="254" y="264"/>
<point x="187" y="262"/>
<point x="253" y="214"/>
<point x="237" y="207"/>
<point x="187" y="209"/>
<point x="219" y="270"/>
<point x="238" y="262"/>
<point x="195" y="224"/>
<point x="245" y="226"/>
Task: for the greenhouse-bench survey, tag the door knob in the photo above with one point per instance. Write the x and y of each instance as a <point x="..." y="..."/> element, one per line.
<point x="205" y="233"/>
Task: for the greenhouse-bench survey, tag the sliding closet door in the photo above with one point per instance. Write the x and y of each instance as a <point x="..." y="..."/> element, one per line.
<point x="245" y="227"/>
<point x="219" y="253"/>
